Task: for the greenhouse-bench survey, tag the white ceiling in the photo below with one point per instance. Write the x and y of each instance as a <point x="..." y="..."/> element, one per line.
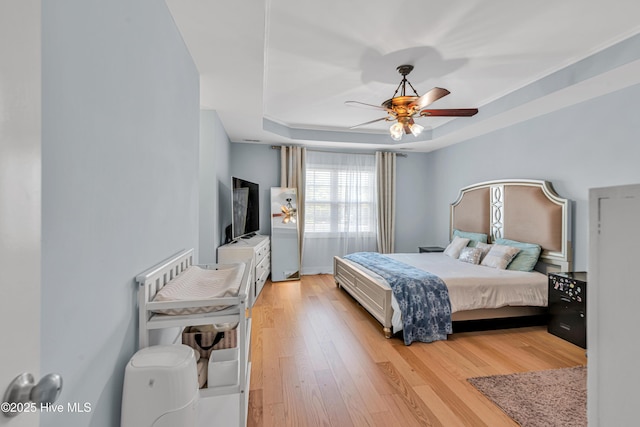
<point x="279" y="71"/>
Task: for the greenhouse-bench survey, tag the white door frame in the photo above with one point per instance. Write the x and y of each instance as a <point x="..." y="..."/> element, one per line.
<point x="20" y="195"/>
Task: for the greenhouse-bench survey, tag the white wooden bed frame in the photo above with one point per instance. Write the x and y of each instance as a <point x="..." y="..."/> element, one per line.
<point x="539" y="216"/>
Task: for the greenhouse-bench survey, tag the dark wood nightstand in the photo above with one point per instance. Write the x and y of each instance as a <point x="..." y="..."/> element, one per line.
<point x="422" y="249"/>
<point x="568" y="307"/>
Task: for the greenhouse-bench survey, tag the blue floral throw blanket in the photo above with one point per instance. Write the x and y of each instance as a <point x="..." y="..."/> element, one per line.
<point x="423" y="297"/>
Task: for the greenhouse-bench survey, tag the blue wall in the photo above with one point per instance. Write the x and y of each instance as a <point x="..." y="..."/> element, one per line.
<point x="591" y="144"/>
<point x="414" y="203"/>
<point x="257" y="163"/>
<point x="120" y="119"/>
<point x="215" y="198"/>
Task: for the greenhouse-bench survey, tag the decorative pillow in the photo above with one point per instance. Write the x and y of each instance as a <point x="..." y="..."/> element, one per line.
<point x="500" y="256"/>
<point x="474" y="238"/>
<point x="470" y="255"/>
<point x="486" y="247"/>
<point x="527" y="257"/>
<point x="454" y="248"/>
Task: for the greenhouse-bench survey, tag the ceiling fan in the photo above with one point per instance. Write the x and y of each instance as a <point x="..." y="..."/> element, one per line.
<point x="403" y="108"/>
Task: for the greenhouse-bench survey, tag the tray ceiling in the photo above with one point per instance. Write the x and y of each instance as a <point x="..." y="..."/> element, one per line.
<point x="279" y="72"/>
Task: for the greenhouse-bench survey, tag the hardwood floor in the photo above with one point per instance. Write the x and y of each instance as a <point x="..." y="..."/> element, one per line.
<point x="319" y="359"/>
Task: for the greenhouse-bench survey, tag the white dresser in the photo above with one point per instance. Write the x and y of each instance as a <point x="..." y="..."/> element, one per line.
<point x="257" y="247"/>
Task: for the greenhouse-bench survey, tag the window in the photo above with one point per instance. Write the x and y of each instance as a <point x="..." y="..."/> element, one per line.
<point x="340" y="194"/>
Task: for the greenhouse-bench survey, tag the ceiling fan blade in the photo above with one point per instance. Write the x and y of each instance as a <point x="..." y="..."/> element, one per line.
<point x="367" y="123"/>
<point x="454" y="112"/>
<point x="364" y="105"/>
<point x="430" y="97"/>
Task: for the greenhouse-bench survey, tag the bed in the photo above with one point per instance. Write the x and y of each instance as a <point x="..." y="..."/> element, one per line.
<point x="519" y="210"/>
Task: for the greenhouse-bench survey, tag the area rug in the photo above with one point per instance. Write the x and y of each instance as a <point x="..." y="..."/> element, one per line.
<point x="555" y="397"/>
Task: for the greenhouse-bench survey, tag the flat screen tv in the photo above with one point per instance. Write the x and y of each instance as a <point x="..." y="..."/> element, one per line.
<point x="245" y="202"/>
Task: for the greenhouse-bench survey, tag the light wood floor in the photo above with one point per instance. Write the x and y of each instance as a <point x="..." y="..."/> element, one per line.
<point x="320" y="360"/>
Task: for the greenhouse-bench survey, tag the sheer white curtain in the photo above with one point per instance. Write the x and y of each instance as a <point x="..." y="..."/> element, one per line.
<point x="340" y="208"/>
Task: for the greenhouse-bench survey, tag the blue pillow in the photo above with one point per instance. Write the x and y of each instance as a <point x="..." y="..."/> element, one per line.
<point x="527" y="257"/>
<point x="474" y="238"/>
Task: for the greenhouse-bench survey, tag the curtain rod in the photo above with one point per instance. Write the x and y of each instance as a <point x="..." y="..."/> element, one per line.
<point x="278" y="147"/>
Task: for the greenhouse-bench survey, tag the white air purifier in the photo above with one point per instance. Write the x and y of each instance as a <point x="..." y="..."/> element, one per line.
<point x="161" y="388"/>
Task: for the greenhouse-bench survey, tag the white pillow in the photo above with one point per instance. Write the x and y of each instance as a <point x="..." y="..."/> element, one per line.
<point x="456" y="246"/>
<point x="500" y="256"/>
<point x="486" y="247"/>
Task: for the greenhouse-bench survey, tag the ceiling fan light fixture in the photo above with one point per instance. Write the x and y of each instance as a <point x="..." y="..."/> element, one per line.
<point x="396" y="130"/>
<point x="416" y="129"/>
<point x="403" y="106"/>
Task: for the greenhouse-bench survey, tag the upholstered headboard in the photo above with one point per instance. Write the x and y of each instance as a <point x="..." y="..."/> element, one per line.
<point x="518" y="209"/>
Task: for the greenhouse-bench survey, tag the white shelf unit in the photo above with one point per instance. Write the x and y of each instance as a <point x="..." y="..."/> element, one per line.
<point x="223" y="405"/>
<point x="257" y="248"/>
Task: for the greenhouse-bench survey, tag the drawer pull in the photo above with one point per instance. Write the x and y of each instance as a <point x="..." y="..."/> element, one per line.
<point x="565" y="326"/>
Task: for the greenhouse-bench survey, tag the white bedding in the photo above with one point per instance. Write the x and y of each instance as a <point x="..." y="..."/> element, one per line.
<point x="474" y="287"/>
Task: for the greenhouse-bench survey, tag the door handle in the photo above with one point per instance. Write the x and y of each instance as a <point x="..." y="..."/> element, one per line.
<point x="23" y="392"/>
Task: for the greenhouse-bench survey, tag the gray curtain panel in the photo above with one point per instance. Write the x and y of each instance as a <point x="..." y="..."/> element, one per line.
<point x="386" y="189"/>
<point x="292" y="170"/>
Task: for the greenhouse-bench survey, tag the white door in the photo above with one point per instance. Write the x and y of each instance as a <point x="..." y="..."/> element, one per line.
<point x="20" y="171"/>
<point x="613" y="292"/>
